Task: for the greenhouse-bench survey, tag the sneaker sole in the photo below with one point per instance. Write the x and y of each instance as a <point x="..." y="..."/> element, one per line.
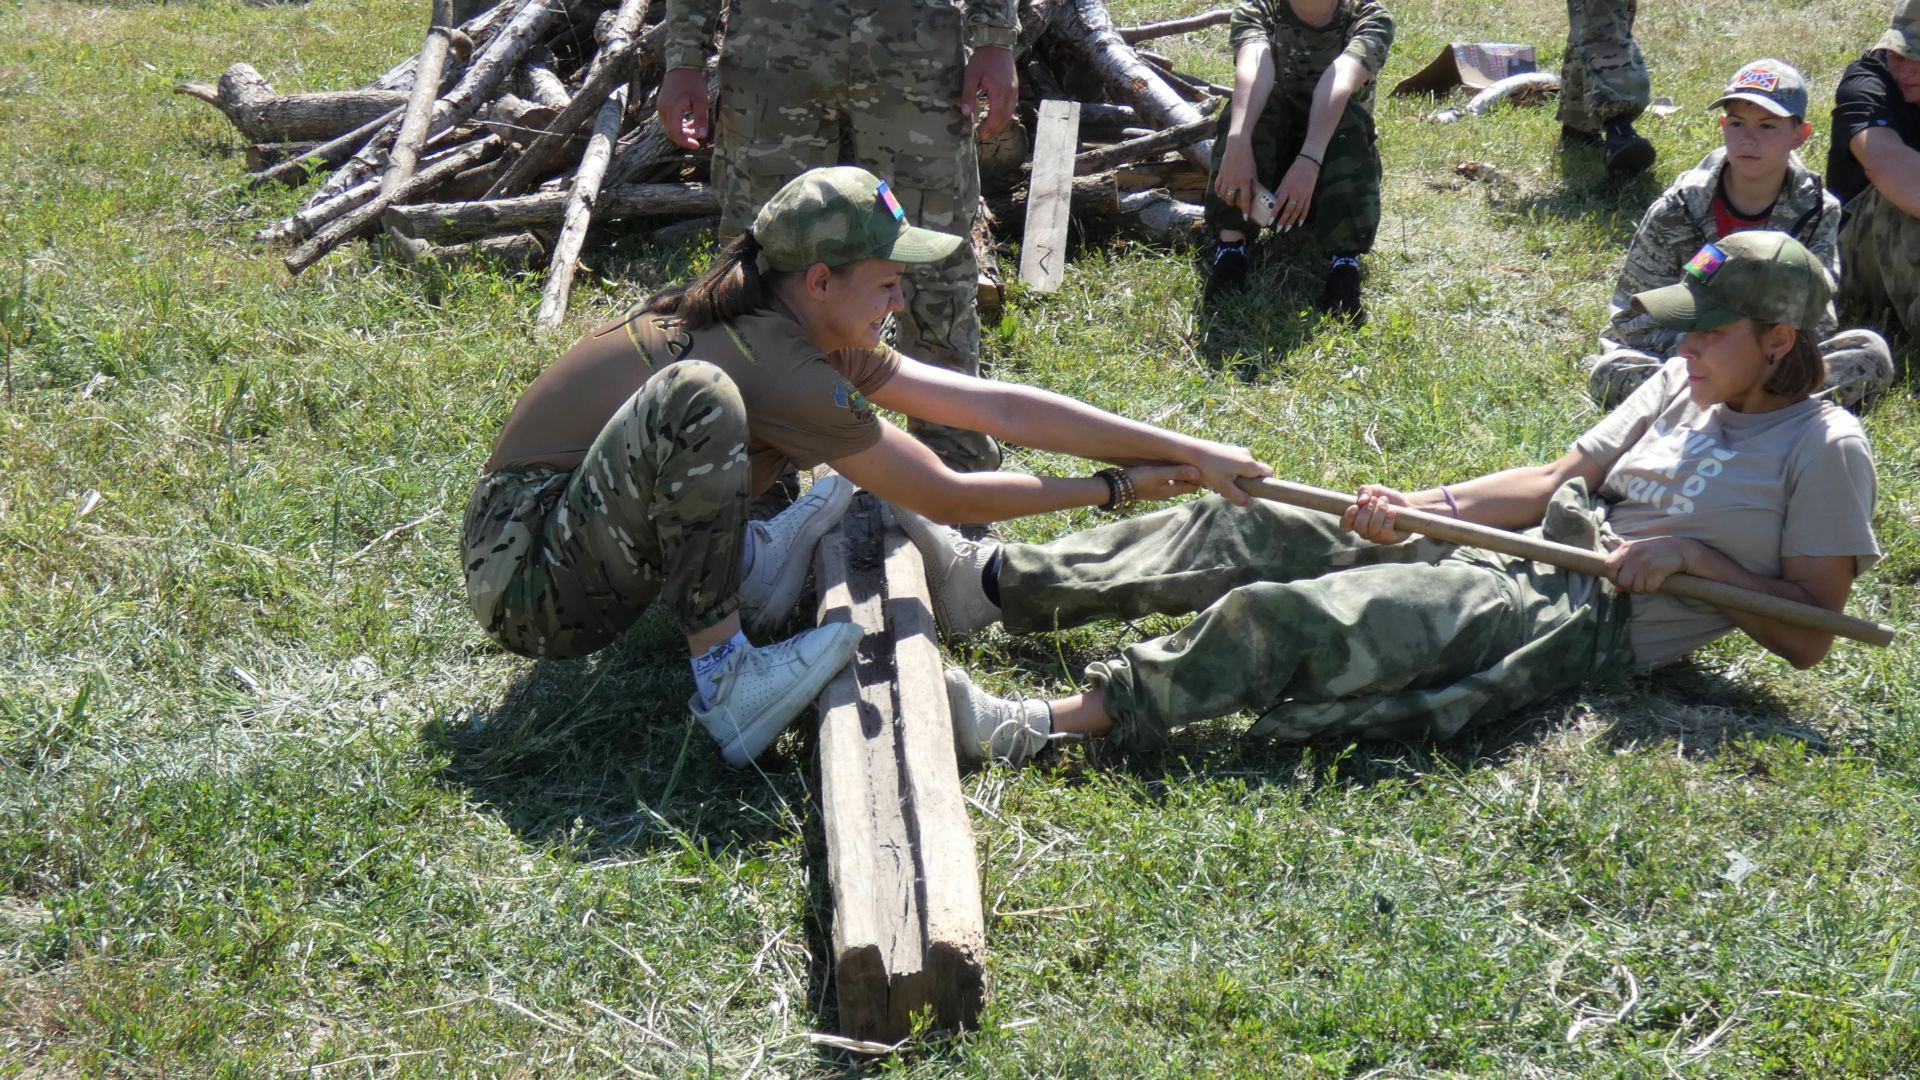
<point x="776" y="718"/>
<point x="785" y="590"/>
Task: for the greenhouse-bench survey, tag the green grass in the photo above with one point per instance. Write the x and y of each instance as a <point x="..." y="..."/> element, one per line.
<point x="270" y="804"/>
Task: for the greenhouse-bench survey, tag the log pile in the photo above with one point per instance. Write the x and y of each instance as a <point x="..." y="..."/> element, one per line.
<point x="515" y="132"/>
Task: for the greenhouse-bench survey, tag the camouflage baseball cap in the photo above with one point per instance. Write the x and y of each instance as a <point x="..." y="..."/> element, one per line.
<point x="1767" y="276"/>
<point x="1903" y="35"/>
<point x="1774" y="85"/>
<point x="839" y="215"/>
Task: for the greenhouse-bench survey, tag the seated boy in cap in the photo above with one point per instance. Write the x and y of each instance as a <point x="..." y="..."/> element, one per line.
<point x="1754" y="181"/>
<point x="1874" y="167"/>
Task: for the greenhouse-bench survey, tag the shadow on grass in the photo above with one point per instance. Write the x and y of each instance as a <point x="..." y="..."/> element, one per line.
<point x="1252" y="334"/>
<point x="1585" y="195"/>
<point x="600" y="754"/>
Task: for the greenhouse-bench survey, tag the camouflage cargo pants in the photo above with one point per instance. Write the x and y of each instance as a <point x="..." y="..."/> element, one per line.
<point x="1602" y="75"/>
<point x="1322" y="633"/>
<point x="1345" y="213"/>
<point x="559" y="564"/>
<point x="881" y="91"/>
<point x="1880" y="257"/>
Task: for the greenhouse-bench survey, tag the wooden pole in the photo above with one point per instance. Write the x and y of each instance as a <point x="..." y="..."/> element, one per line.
<point x="1153" y="145"/>
<point x="1581" y="560"/>
<point x="609" y="67"/>
<point x="1133" y="35"/>
<point x="580" y="207"/>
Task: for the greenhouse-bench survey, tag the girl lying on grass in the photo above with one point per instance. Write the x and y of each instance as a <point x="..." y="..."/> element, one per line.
<point x="1721" y="465"/>
<point x="624" y="470"/>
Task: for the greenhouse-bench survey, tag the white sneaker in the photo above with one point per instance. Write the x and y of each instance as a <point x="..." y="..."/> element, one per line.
<point x="1859" y="367"/>
<point x="783" y="552"/>
<point x="986" y="727"/>
<point x="760" y="690"/>
<point x="954" y="565"/>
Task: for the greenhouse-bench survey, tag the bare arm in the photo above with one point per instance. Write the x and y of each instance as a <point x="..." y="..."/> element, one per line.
<point x="1049" y="421"/>
<point x="1509" y="499"/>
<point x="1640" y="566"/>
<point x="1892" y="166"/>
<point x="1252" y="82"/>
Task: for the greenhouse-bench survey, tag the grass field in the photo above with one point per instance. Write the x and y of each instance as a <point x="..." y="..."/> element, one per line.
<point x="270" y="804"/>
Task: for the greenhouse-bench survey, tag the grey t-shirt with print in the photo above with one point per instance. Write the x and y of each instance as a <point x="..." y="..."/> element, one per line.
<point x="1756" y="487"/>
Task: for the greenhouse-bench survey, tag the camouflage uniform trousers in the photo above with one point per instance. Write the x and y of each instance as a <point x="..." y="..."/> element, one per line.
<point x="1859" y="366"/>
<point x="1880" y="249"/>
<point x="784" y="108"/>
<point x="1324" y="634"/>
<point x="1345" y="213"/>
<point x="1602" y="76"/>
<point x="558" y="564"/>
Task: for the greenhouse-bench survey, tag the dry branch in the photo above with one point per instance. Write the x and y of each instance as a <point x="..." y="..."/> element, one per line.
<point x="573" y="229"/>
<point x="1134" y="35"/>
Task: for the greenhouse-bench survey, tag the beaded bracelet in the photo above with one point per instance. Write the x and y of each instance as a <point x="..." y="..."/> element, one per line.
<point x="1120" y="495"/>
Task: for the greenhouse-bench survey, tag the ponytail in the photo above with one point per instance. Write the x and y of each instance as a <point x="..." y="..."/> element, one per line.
<point x="733" y="286"/>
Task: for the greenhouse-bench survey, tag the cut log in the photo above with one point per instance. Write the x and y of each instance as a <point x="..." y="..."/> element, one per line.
<point x="1099" y="114"/>
<point x="1134" y="35"/>
<point x="1043" y="250"/>
<point x="579" y="212"/>
<point x="1129" y="78"/>
<point x="1091" y="196"/>
<point x="1160" y="217"/>
<point x="541" y="84"/>
<point x="908" y="929"/>
<point x="264" y="116"/>
<point x="326" y="155"/>
<point x="451" y="223"/>
<point x="1176" y="138"/>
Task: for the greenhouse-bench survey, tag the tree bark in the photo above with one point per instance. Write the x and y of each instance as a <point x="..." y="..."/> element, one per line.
<point x="1161" y="217"/>
<point x="1133" y="35"/>
<point x="264" y="116"/>
<point x="365" y="217"/>
<point x="609" y="67"/>
<point x="1129" y="78"/>
<point x="579" y="213"/>
<point x="450" y="223"/>
<point x="1175" y="138"/>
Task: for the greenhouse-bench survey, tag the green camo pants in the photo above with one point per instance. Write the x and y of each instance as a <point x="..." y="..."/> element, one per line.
<point x="559" y="564"/>
<point x="1602" y="74"/>
<point x="1345" y="213"/>
<point x="1322" y="633"/>
<point x="881" y="91"/>
<point x="1880" y="255"/>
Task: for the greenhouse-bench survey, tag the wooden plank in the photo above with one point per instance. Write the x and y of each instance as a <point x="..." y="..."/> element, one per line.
<point x="908" y="929"/>
<point x="1043" y="249"/>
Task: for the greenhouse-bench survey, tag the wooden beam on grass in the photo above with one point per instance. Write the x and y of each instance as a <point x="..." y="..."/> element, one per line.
<point x="909" y="933"/>
<point x="1043" y="248"/>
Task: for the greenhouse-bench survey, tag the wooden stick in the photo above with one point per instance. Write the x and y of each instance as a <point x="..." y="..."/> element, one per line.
<point x="609" y="67"/>
<point x="1568" y="557"/>
<point x="1133" y="35"/>
<point x="426" y="90"/>
<point x="366" y="216"/>
<point x="573" y="231"/>
<point x="326" y="155"/>
<point x="453" y="222"/>
<point x="1159" y="142"/>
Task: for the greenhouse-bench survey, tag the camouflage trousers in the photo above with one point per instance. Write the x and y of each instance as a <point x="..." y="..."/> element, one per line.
<point x="1880" y="257"/>
<point x="1345" y="213"/>
<point x="802" y="87"/>
<point x="1859" y="366"/>
<point x="558" y="564"/>
<point x="1322" y="633"/>
<point x="1602" y="76"/>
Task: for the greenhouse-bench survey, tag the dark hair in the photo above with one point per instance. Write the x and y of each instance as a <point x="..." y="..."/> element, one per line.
<point x="733" y="286"/>
<point x="1800" y="370"/>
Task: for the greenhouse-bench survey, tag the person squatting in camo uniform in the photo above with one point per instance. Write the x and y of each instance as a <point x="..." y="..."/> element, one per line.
<point x="1604" y="86"/>
<point x="623" y="472"/>
<point x="1755" y="181"/>
<point x="888" y="85"/>
<point x="1874" y="167"/>
<point x="1721" y="466"/>
<point x="1301" y="126"/>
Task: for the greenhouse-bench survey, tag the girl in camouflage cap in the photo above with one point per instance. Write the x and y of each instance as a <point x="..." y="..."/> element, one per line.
<point x="1721" y="466"/>
<point x="623" y="473"/>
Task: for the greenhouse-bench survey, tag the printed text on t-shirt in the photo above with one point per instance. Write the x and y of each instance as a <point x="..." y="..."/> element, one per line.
<point x="1710" y="460"/>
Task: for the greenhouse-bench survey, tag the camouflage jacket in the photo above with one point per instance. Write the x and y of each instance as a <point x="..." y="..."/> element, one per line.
<point x="1362" y="29"/>
<point x="691" y="23"/>
<point x="1681" y="221"/>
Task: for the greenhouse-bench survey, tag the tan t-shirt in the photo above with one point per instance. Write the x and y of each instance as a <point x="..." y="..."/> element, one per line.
<point x="1755" y="487"/>
<point x="804" y="406"/>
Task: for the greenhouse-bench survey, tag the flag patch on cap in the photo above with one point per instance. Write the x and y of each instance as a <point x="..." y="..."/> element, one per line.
<point x="892" y="204"/>
<point x="1754" y="78"/>
<point x="1706" y="261"/>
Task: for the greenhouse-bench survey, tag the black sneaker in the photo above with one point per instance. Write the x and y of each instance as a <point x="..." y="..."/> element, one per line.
<point x="1229" y="273"/>
<point x="1628" y="153"/>
<point x="1340" y="298"/>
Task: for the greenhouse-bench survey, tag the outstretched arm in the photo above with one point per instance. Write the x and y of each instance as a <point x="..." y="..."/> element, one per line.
<point x="1049" y="421"/>
<point x="1509" y="499"/>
